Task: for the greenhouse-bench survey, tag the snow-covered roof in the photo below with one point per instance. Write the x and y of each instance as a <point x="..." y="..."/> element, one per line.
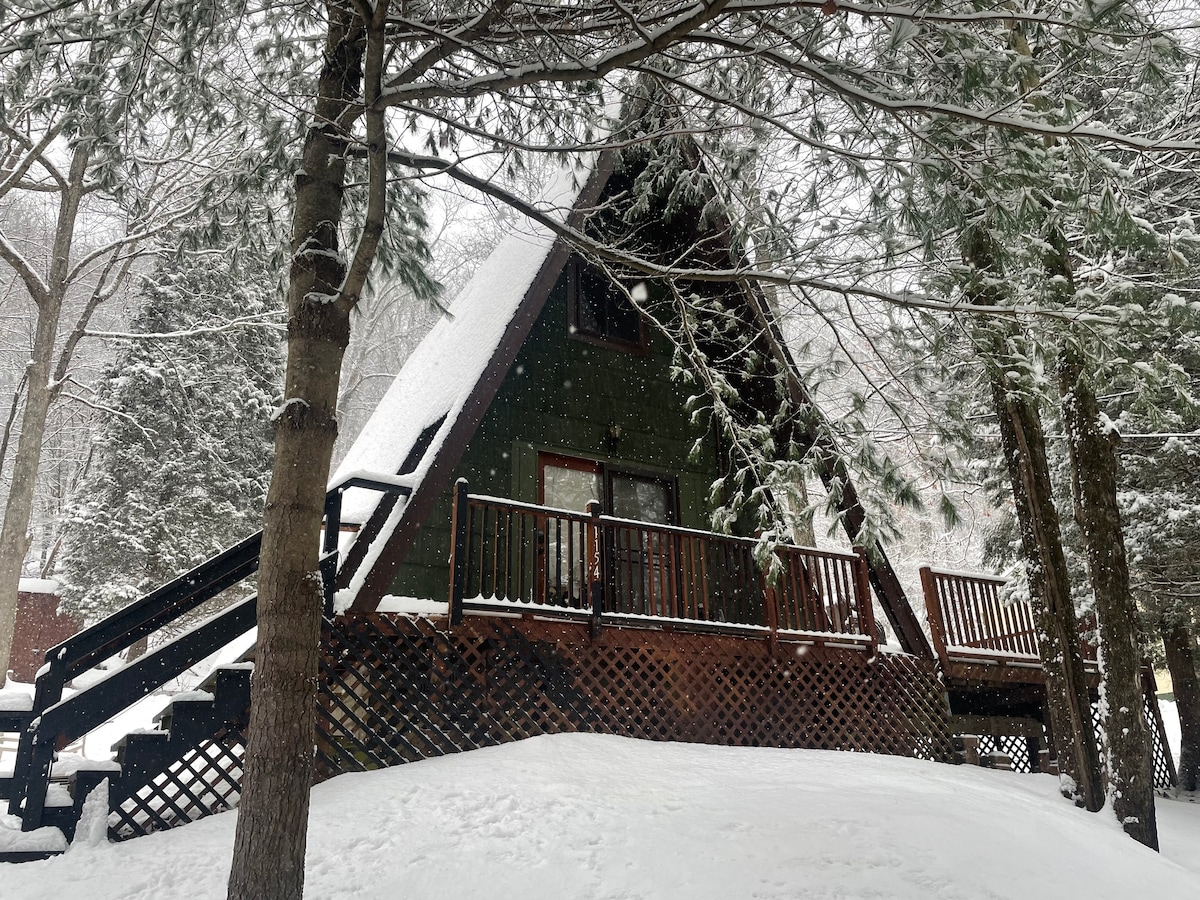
<point x="38" y="586"/>
<point x="442" y="373"/>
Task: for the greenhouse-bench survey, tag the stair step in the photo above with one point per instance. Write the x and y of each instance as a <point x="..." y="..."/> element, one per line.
<point x="135" y="751"/>
<point x="27" y="846"/>
<point x="20" y="856"/>
<point x="187" y="721"/>
<point x="182" y="700"/>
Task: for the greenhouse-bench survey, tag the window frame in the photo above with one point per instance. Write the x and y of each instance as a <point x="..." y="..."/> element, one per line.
<point x="575" y="270"/>
<point x="607" y="471"/>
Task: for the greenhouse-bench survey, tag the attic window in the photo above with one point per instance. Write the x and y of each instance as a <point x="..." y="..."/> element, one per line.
<point x="599" y="311"/>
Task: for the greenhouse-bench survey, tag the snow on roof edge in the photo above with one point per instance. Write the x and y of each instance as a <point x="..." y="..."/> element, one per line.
<point x="442" y="373"/>
<point x="38" y="586"/>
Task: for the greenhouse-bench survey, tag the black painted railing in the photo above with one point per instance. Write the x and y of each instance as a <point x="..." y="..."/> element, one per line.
<point x="54" y="721"/>
<point x="571" y="564"/>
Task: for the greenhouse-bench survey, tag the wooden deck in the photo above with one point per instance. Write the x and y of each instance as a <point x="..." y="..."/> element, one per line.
<point x="988" y="651"/>
<point x="980" y="638"/>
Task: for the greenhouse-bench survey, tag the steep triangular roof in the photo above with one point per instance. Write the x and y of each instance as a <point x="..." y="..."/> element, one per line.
<point x="432" y="410"/>
<point x="423" y="423"/>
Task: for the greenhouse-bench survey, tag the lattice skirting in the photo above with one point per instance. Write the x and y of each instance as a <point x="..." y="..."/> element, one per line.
<point x="1164" y="771"/>
<point x="206" y="780"/>
<point x="1015" y="747"/>
<point x="396" y="689"/>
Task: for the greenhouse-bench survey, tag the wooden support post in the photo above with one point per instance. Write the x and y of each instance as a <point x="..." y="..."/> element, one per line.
<point x="1033" y="750"/>
<point x="594" y="566"/>
<point x="460" y="526"/>
<point x="862" y="596"/>
<point x="933" y="612"/>
<point x="970" y="744"/>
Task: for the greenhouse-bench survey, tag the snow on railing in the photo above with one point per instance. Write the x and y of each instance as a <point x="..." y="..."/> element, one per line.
<point x="584" y="563"/>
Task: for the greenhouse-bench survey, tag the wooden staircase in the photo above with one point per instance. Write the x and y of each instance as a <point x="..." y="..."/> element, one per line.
<point x="189" y="766"/>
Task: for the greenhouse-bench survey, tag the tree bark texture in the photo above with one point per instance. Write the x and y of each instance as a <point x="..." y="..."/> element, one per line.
<point x="1023" y="444"/>
<point x="1094" y="486"/>
<point x="39" y="394"/>
<point x="269" y="848"/>
<point x="1069" y="708"/>
<point x="1180" y="650"/>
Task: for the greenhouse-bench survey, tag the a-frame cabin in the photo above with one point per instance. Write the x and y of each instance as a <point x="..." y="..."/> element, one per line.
<point x="519" y="543"/>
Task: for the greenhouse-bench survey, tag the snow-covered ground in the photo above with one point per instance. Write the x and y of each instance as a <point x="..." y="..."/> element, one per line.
<point x="585" y="816"/>
<point x="1170" y="715"/>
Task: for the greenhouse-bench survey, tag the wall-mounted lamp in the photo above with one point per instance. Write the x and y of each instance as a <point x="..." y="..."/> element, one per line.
<point x="613" y="436"/>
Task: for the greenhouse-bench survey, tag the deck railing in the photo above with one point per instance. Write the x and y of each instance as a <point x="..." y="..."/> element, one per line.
<point x="968" y="617"/>
<point x="558" y="562"/>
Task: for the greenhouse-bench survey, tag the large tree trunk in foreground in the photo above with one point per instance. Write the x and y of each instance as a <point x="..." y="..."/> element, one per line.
<point x="269" y="848"/>
<point x="1180" y="651"/>
<point x="1094" y="485"/>
<point x="1069" y="708"/>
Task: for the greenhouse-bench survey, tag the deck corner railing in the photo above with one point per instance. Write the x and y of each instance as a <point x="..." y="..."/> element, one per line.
<point x="968" y="618"/>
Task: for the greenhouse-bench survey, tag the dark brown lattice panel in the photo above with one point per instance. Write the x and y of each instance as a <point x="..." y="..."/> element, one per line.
<point x="206" y="780"/>
<point x="399" y="689"/>
<point x="1164" y="773"/>
<point x="1014" y="746"/>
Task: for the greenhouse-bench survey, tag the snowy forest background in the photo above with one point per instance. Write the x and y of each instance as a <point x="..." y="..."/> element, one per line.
<point x="154" y="222"/>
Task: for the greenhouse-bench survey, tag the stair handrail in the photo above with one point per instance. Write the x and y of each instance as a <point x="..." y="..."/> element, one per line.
<point x="160" y="607"/>
<point x="51" y="718"/>
<point x="165" y="604"/>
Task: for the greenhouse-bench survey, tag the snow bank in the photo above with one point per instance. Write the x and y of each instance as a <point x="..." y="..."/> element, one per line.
<point x="584" y="816"/>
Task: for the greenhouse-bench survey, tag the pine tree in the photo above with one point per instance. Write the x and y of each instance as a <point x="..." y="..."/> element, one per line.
<point x="1160" y="500"/>
<point x="182" y="463"/>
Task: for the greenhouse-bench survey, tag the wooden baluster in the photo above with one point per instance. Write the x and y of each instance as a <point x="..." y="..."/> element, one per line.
<point x="933" y="611"/>
<point x="460" y="528"/>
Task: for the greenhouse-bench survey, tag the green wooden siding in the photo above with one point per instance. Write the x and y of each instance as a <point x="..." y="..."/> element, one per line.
<point x="560" y="396"/>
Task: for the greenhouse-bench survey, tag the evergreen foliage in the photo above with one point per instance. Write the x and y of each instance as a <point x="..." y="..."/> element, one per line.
<point x="181" y="466"/>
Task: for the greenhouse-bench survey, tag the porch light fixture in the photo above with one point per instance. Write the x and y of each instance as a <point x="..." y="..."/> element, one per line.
<point x="613" y="437"/>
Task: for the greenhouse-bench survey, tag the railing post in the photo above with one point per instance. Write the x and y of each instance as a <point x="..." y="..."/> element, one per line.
<point x="333" y="519"/>
<point x="460" y="530"/>
<point x="770" y="597"/>
<point x="862" y="594"/>
<point x="933" y="611"/>
<point x="595" y="567"/>
<point x="26" y="766"/>
<point x="329" y="547"/>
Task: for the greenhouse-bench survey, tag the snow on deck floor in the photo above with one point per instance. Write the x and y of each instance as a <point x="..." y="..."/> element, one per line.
<point x="585" y="816"/>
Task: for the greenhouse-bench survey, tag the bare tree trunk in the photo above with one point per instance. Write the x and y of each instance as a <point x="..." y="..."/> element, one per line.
<point x="269" y="848"/>
<point x="1180" y="650"/>
<point x="1067" y="701"/>
<point x="39" y="393"/>
<point x="1094" y="485"/>
<point x="1023" y="443"/>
